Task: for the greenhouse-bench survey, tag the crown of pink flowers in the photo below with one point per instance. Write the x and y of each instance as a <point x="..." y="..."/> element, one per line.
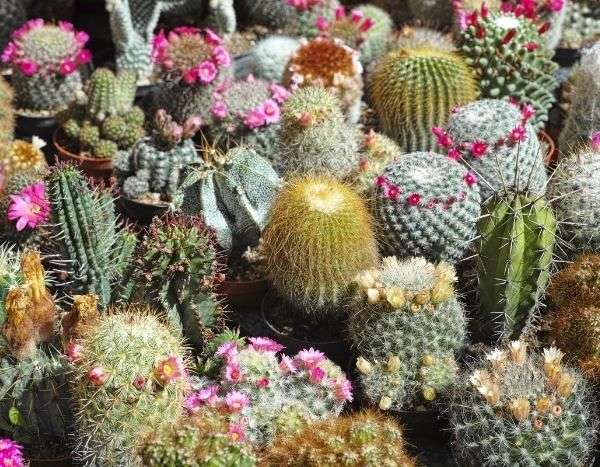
<point x="532" y="9"/>
<point x="206" y="70"/>
<point x="77" y="55"/>
<point x="304" y="5"/>
<point x="356" y="21"/>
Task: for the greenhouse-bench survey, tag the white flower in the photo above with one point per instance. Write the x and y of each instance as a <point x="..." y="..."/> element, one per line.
<point x="37" y="143"/>
<point x="552" y="356"/>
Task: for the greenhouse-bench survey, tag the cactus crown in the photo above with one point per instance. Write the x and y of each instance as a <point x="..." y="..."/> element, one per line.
<point x="351" y="29"/>
<point x="310" y="106"/>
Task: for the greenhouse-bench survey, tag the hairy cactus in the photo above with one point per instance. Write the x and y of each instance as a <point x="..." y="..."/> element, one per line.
<point x="515" y="252"/>
<point x="314" y="136"/>
<point x="414" y="90"/>
<point x="151" y="171"/>
<point x="494" y="139"/>
<point x="45" y="59"/>
<point x="510" y="61"/>
<point x="581" y="24"/>
<point x="7" y="113"/>
<point x="407" y="325"/>
<point x="514" y="408"/>
<point x="365" y="438"/>
<point x="268" y="58"/>
<point x="129" y="377"/>
<point x="578" y="283"/>
<point x="329" y="63"/>
<point x="12" y="15"/>
<point x="22" y="156"/>
<point x="318" y="237"/>
<point x="427" y="205"/>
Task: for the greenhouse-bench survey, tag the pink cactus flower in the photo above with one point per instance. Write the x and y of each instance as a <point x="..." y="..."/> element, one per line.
<point x="470" y="179"/>
<point x="263" y="383"/>
<point x="316" y="374"/>
<point x="74" y="352"/>
<point x="381" y="181"/>
<point x="207" y="72"/>
<point x="82" y="37"/>
<point x="233" y="373"/>
<point x="139" y="382"/>
<point x="191" y="76"/>
<point x="97" y="376"/>
<point x="227" y="350"/>
<point x="391" y="192"/>
<point x="443" y="139"/>
<point x="9" y="53"/>
<point x="286" y="365"/>
<point x="211" y="38"/>
<point x="206" y="396"/>
<point x="11" y="453"/>
<point x="454" y="154"/>
<point x="28" y="68"/>
<point x="527" y="112"/>
<point x="340" y="13"/>
<point x="255" y="119"/>
<point x="478" y="149"/>
<point x="219" y="109"/>
<point x="84" y="57"/>
<point x="518" y="134"/>
<point x="236" y="433"/>
<point x="309" y="358"/>
<point x="356" y="16"/>
<point x="66" y="26"/>
<point x="236" y="401"/>
<point x="342" y="390"/>
<point x="271" y="112"/>
<point x="322" y="23"/>
<point x="366" y="25"/>
<point x="279" y="93"/>
<point x="221" y="57"/>
<point x="414" y="199"/>
<point x="67" y="67"/>
<point x="30" y="207"/>
<point x="264" y="344"/>
<point x="170" y="369"/>
<point x="595" y="140"/>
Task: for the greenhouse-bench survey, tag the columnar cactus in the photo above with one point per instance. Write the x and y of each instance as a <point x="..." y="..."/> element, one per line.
<point x="427" y="205"/>
<point x="515" y="252"/>
<point x="582" y="23"/>
<point x="514" y="408"/>
<point x="45" y="60"/>
<point x="407" y="327"/>
<point x="329" y="63"/>
<point x="318" y="237"/>
<point x="494" y="139"/>
<point x="510" y="60"/>
<point x="268" y="58"/>
<point x="233" y="193"/>
<point x="129" y="378"/>
<point x="12" y="15"/>
<point x="415" y="89"/>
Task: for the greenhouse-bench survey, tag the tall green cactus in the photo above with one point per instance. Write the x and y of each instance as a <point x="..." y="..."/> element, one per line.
<point x="110" y="94"/>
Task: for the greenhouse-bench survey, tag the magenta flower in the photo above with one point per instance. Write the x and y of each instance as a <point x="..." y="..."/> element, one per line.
<point x="30" y="207"/>
<point x="316" y="374"/>
<point x="66" y="26"/>
<point x="342" y="390"/>
<point x="84" y="57"/>
<point x="206" y="396"/>
<point x="233" y="374"/>
<point x="227" y="350"/>
<point x="322" y="23"/>
<point x="67" y="67"/>
<point x="518" y="134"/>
<point x="191" y="76"/>
<point x="82" y="37"/>
<point x="381" y="181"/>
<point x="169" y="369"/>
<point x="367" y="24"/>
<point x="207" y="72"/>
<point x="9" y="53"/>
<point x="139" y="382"/>
<point x="97" y="376"/>
<point x="454" y="154"/>
<point x="221" y="56"/>
<point x="264" y="344"/>
<point x="255" y="119"/>
<point x="263" y="382"/>
<point x="309" y="358"/>
<point x="11" y="453"/>
<point x="236" y="401"/>
<point x="478" y="149"/>
<point x="356" y="15"/>
<point x="73" y="352"/>
<point x="286" y="365"/>
<point x="236" y="433"/>
<point x="270" y="110"/>
<point x="443" y="139"/>
<point x="340" y="12"/>
<point x="211" y="38"/>
<point x="279" y="93"/>
<point x="414" y="199"/>
<point x="527" y="112"/>
<point x="28" y="68"/>
<point x="219" y="109"/>
<point x="470" y="178"/>
<point x="595" y="140"/>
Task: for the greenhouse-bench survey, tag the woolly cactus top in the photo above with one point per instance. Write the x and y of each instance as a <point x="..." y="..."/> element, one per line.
<point x="42" y="48"/>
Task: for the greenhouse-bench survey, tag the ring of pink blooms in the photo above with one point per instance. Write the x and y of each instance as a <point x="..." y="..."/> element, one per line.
<point x="356" y="18"/>
<point x="14" y="54"/>
<point x="204" y="72"/>
<point x="304" y="5"/>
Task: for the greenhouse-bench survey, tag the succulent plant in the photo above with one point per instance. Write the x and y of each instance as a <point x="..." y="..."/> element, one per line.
<point x="515" y="407"/>
<point x="276" y="14"/>
<point x="510" y="60"/>
<point x="268" y="58"/>
<point x="7" y="112"/>
<point x="548" y="15"/>
<point x="397" y="8"/>
<point x="22" y="156"/>
<point x="415" y="37"/>
<point x="45" y="59"/>
<point x="12" y="15"/>
<point x="464" y="8"/>
<point x="578" y="283"/>
<point x="414" y="90"/>
<point x="407" y="327"/>
<point x="426" y="204"/>
<point x="441" y="12"/>
<point x="319" y="235"/>
<point x="581" y="24"/>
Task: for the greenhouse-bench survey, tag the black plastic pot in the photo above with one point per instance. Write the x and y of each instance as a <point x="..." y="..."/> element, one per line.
<point x="42" y="127"/>
<point x="142" y="213"/>
<point x="566" y="57"/>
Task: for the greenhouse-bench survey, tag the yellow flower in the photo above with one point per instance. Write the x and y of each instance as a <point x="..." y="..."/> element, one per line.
<point x="518" y="351"/>
<point x="446" y="273"/>
<point x="427" y="360"/>
<point x="395" y="297"/>
<point x="565" y="385"/>
<point x="385" y="403"/>
<point x="363" y="365"/>
<point x="393" y="364"/>
<point x="441" y="292"/>
<point x="429" y="393"/>
<point x="543" y="404"/>
<point x="423" y="297"/>
<point x="520" y="408"/>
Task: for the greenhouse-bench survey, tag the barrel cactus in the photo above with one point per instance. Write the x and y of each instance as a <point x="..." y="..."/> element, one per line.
<point x="426" y="205"/>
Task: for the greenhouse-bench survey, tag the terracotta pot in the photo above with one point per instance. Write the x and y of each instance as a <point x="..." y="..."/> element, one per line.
<point x="141" y="212"/>
<point x="99" y="169"/>
<point x="244" y="295"/>
<point x="551" y="154"/>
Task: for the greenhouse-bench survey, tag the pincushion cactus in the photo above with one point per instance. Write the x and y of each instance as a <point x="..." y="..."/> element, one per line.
<point x="518" y="408"/>
<point x="45" y="60"/>
<point x="494" y="139"/>
<point x="407" y="327"/>
<point x="414" y="89"/>
<point x="318" y="237"/>
<point x="581" y="24"/>
<point x="549" y="15"/>
<point x="510" y="60"/>
<point x="268" y="58"/>
<point x="22" y="156"/>
<point x="426" y="205"/>
<point x="330" y="64"/>
<point x="129" y="377"/>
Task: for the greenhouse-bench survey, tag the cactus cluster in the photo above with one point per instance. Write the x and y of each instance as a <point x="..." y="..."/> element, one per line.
<point x="407" y="326"/>
<point x="581" y="24"/>
<point x="427" y="205"/>
<point x="520" y="408"/>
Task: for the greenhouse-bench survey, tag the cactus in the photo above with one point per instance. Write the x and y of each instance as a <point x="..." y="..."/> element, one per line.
<point x="364" y="438"/>
<point x="407" y="326"/>
<point x="581" y="24"/>
<point x="330" y="64"/>
<point x="129" y="377"/>
<point x="426" y="205"/>
<point x="233" y="192"/>
<point x="416" y="37"/>
<point x="318" y="237"/>
<point x="22" y="156"/>
<point x="515" y="251"/>
<point x="151" y="171"/>
<point x="12" y="15"/>
<point x="45" y="59"/>
<point x="510" y="61"/>
<point x="464" y="8"/>
<point x="578" y="283"/>
<point x="314" y="136"/>
<point x="438" y="11"/>
<point x="7" y="112"/>
<point x="268" y="58"/>
<point x="520" y="409"/>
<point x="398" y="9"/>
<point x="133" y="25"/>
<point x="494" y="139"/>
<point x="176" y="268"/>
<point x="414" y="89"/>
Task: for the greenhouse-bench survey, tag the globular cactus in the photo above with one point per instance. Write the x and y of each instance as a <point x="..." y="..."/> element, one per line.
<point x="45" y="59"/>
<point x="12" y="15"/>
<point x="233" y="193"/>
<point x="7" y="112"/>
<point x="176" y="268"/>
<point x="426" y="205"/>
<point x="328" y="63"/>
<point x="578" y="283"/>
<point x="407" y="327"/>
<point x="314" y="137"/>
<point x="21" y="156"/>
<point x="364" y="438"/>
<point x="268" y="58"/>
<point x="510" y="60"/>
<point x="319" y="235"/>
<point x="517" y="235"/>
<point x="464" y="8"/>
<point x="515" y="408"/>
<point x="129" y="378"/>
<point x="439" y="11"/>
<point x="414" y="90"/>
<point x="581" y="24"/>
<point x="152" y="169"/>
<point x="548" y="15"/>
<point x="415" y="37"/>
<point x="398" y="9"/>
<point x="496" y="141"/>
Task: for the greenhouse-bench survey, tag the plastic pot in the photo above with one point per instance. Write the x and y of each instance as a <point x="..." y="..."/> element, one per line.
<point x="99" y="169"/>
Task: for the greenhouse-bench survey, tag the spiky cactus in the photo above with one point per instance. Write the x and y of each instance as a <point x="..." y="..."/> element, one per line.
<point x="45" y="59"/>
<point x="582" y="23"/>
<point x="578" y="283"/>
<point x="518" y="409"/>
<point x="438" y="11"/>
<point x="407" y="326"/>
<point x="129" y="378"/>
<point x="494" y="139"/>
<point x="427" y="205"/>
<point x="268" y="58"/>
<point x="314" y="136"/>
<point x="515" y="252"/>
<point x="233" y="192"/>
<point x="510" y="60"/>
<point x="318" y="237"/>
<point x="365" y="438"/>
<point x="414" y="90"/>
